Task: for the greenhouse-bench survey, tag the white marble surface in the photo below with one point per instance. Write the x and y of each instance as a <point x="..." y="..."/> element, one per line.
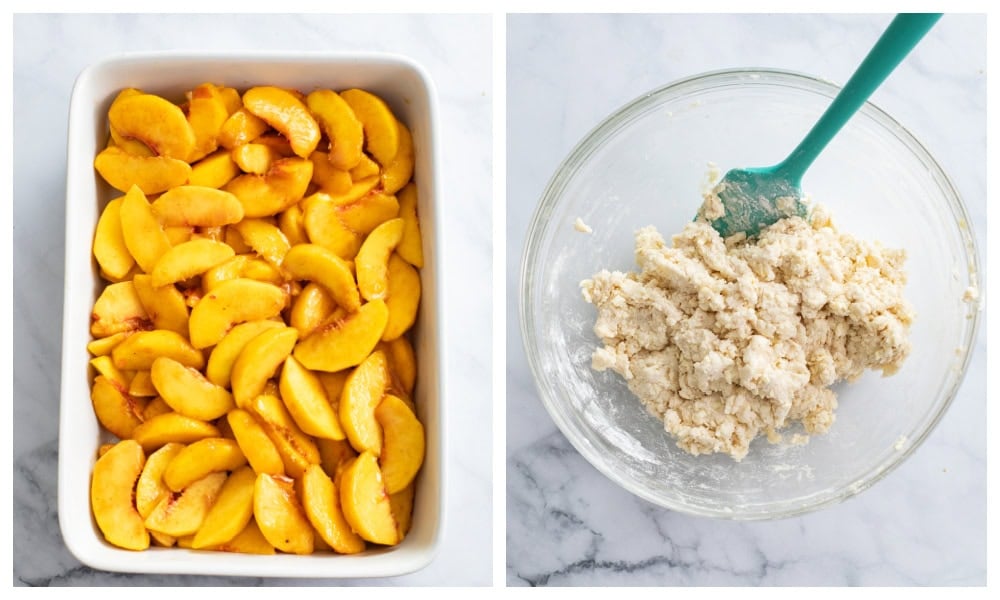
<point x="49" y="52"/>
<point x="925" y="524"/>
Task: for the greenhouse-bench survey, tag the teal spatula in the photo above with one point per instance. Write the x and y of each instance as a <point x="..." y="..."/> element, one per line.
<point x="755" y="198"/>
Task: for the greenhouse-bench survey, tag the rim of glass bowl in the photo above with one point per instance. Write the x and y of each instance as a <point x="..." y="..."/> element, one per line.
<point x="595" y="139"/>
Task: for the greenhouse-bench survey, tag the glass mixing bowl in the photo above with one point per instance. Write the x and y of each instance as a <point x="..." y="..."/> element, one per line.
<point x="645" y="165"/>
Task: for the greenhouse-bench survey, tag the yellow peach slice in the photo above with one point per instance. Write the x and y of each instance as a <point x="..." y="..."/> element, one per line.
<point x="255" y="158"/>
<point x="231" y="99"/>
<point x="240" y="128"/>
<point x="151" y="174"/>
<point x="116" y="410"/>
<point x="233" y="302"/>
<point x="315" y="263"/>
<point x="214" y="171"/>
<point x="281" y="517"/>
<point x="138" y="351"/>
<point x="172" y="427"/>
<point x="248" y="541"/>
<point x="322" y="505"/>
<point x="398" y="172"/>
<point x="306" y="401"/>
<point x="107" y="369"/>
<point x="265" y="238"/>
<point x="186" y="260"/>
<point x="372" y="261"/>
<point x="259" y="360"/>
<point x="118" y="310"/>
<point x="324" y="228"/>
<point x="402" y="362"/>
<point x="365" y="502"/>
<point x="363" y="391"/>
<point x="403" y="297"/>
<point x="165" y="305"/>
<point x="241" y="266"/>
<point x="206" y="113"/>
<point x="282" y="186"/>
<point x="277" y="142"/>
<point x="342" y="128"/>
<point x="198" y="459"/>
<point x="402" y="443"/>
<point x="344" y="341"/>
<point x="156" y="407"/>
<point x="141" y="386"/>
<point x="368" y="212"/>
<point x="181" y="514"/>
<point x="178" y="234"/>
<point x="402" y="509"/>
<point x="410" y="247"/>
<point x="188" y="392"/>
<point x="220" y="361"/>
<point x="311" y="307"/>
<point x="297" y="449"/>
<point x="260" y="451"/>
<point x="143" y="234"/>
<point x="231" y="512"/>
<point x="286" y="113"/>
<point x="291" y="223"/>
<point x="111" y="487"/>
<point x="150" y="489"/>
<point x="156" y="122"/>
<point x="334" y="455"/>
<point x="327" y="177"/>
<point x="365" y="169"/>
<point x="109" y="243"/>
<point x="379" y="124"/>
<point x="103" y="346"/>
<point x="359" y="188"/>
<point x="199" y="206"/>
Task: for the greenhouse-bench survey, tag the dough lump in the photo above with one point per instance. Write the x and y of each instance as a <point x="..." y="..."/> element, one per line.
<point x="727" y="339"/>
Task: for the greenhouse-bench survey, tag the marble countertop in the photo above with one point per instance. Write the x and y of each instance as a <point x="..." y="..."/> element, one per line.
<point x="49" y="51"/>
<point x="925" y="523"/>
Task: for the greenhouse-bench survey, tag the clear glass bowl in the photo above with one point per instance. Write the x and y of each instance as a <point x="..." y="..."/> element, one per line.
<point x="644" y="166"/>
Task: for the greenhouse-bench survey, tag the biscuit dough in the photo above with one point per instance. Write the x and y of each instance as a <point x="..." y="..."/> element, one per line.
<point x="725" y="340"/>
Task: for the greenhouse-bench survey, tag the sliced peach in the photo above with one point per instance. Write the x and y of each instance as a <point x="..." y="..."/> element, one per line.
<point x="178" y="234"/>
<point x="118" y="310"/>
<point x="116" y="410"/>
<point x="139" y="350"/>
<point x="141" y="386"/>
<point x="103" y="346"/>
<point x="231" y="99"/>
<point x="398" y="172"/>
<point x="291" y="223"/>
<point x="282" y="186"/>
<point x="224" y="355"/>
<point x="402" y="509"/>
<point x="281" y="517"/>
<point x="329" y="178"/>
<point x="106" y="368"/>
<point x="368" y="212"/>
<point x="235" y="241"/>
<point x="199" y="206"/>
<point x="323" y="226"/>
<point x="188" y="260"/>
<point x="286" y="113"/>
<point x="403" y="443"/>
<point x="206" y="113"/>
<point x="172" y="427"/>
<point x="151" y="174"/>
<point x="342" y="128"/>
<point x="255" y="158"/>
<point x="322" y="506"/>
<point x="231" y="303"/>
<point x="109" y="243"/>
<point x="265" y="238"/>
<point x="165" y="304"/>
<point x="214" y="171"/>
<point x="277" y="142"/>
<point x="297" y="449"/>
<point x="343" y="341"/>
<point x="188" y="392"/>
<point x="306" y="401"/>
<point x="156" y="122"/>
<point x="111" y="487"/>
<point x="379" y="124"/>
<point x="150" y="489"/>
<point x="156" y="407"/>
<point x="241" y="266"/>
<point x="198" y="459"/>
<point x="182" y="513"/>
<point x="334" y="455"/>
<point x="315" y="263"/>
<point x="410" y="247"/>
<point x="365" y="169"/>
<point x="365" y="502"/>
<point x="143" y="234"/>
<point x="311" y="307"/>
<point x="260" y="451"/>
<point x="363" y="391"/>
<point x="240" y="128"/>
<point x="402" y="298"/>
<point x="248" y="541"/>
<point x="259" y="360"/>
<point x="372" y="261"/>
<point x="231" y="512"/>
<point x="402" y="362"/>
<point x="359" y="188"/>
